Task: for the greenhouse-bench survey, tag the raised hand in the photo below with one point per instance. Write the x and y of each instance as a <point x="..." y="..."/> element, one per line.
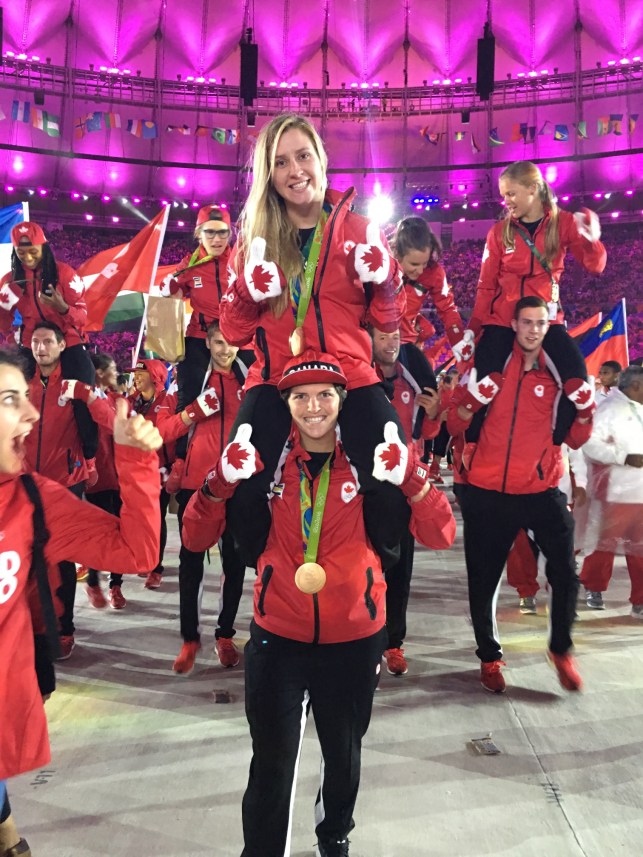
<point x="239" y="460"/>
<point x="582" y="394"/>
<point x="391" y="457"/>
<point x="588" y="224"/>
<point x="135" y="431"/>
<point x="204" y="405"/>
<point x="263" y="279"/>
<point x="369" y="262"/>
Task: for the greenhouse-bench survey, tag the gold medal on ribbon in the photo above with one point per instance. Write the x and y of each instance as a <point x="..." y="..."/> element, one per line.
<point x="310" y="578"/>
<point x="297" y="341"/>
<point x="555" y="292"/>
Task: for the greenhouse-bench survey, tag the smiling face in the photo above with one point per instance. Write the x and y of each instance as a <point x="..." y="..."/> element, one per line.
<point x="531" y="326"/>
<point x="17" y="418"/>
<point x="297" y="176"/>
<point x="386" y="348"/>
<point x="106" y="378"/>
<point x="314" y="409"/>
<point x="214" y="236"/>
<point x="414" y="262"/>
<point x="30" y="255"/>
<point x="221" y="352"/>
<point x="522" y="201"/>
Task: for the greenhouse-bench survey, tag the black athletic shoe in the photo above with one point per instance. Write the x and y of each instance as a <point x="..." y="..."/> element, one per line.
<point x="332" y="849"/>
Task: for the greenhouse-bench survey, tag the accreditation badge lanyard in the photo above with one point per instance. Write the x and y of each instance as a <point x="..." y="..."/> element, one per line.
<point x="301" y="293"/>
<point x="553" y="304"/>
<point x="312" y="515"/>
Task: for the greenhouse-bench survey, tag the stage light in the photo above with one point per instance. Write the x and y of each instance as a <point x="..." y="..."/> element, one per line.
<point x="475" y="204"/>
<point x="175" y="204"/>
<point x="223" y="205"/>
<point x="598" y="196"/>
<point x="446" y="205"/>
<point x="89" y="216"/>
<point x="364" y="85"/>
<point x="611" y="62"/>
<point x="273" y="83"/>
<point x="624" y="61"/>
<point x="181" y="222"/>
<point x="195" y="204"/>
<point x="184" y="204"/>
<point x="419" y="207"/>
<point x="462" y="220"/>
<point x="75" y="195"/>
<point x="115" y="219"/>
<point x="113" y="175"/>
<point x="533" y="74"/>
<point x="85" y="197"/>
<point x="164" y="202"/>
<point x="565" y="198"/>
<point x="18" y="165"/>
<point x="608" y="195"/>
<point x="42" y="191"/>
<point x="380" y="209"/>
<point x="545" y="71"/>
<point x="520" y="74"/>
<point x="9" y="188"/>
<point x="31" y="191"/>
<point x="136" y="200"/>
<point x="283" y="85"/>
<point x="615" y="214"/>
<point x="106" y="197"/>
<point x="180" y="181"/>
<point x="629" y="193"/>
<point x="435" y="82"/>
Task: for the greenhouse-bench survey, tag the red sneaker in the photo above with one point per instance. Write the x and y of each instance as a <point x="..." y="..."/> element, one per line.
<point x="437" y="479"/>
<point x="568" y="674"/>
<point x="184" y="663"/>
<point x="153" y="580"/>
<point x="226" y="652"/>
<point x="95" y="596"/>
<point x="116" y="598"/>
<point x="396" y="662"/>
<point x="491" y="677"/>
<point x="67" y="644"/>
<point x="81" y="572"/>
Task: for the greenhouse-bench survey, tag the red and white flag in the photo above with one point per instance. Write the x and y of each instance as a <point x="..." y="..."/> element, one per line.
<point x="128" y="267"/>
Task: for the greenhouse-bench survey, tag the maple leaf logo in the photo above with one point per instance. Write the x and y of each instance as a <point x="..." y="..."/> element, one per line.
<point x="237" y="456"/>
<point x="261" y="279"/>
<point x="373" y="258"/>
<point x="77" y="285"/>
<point x="583" y="396"/>
<point x="466" y="352"/>
<point x="212" y="400"/>
<point x="487" y="390"/>
<point x="391" y="456"/>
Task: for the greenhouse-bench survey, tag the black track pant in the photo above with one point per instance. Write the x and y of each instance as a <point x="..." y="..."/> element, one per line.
<point x="190" y="374"/>
<point x="110" y="501"/>
<point x="361" y="420"/>
<point x="284" y="680"/>
<point x="491" y="523"/>
<point x="191" y="583"/>
<point x="164" y="502"/>
<point x="66" y="592"/>
<point x="398" y="588"/>
<point x="492" y="352"/>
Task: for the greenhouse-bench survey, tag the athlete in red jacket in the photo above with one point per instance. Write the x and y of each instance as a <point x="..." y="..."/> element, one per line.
<point x="309" y="273"/>
<point x="512" y="478"/>
<point x="524" y="255"/>
<point x="70" y="530"/>
<point x="317" y="635"/>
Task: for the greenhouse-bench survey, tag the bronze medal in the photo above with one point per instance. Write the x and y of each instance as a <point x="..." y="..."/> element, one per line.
<point x="297" y="341"/>
<point x="310" y="578"/>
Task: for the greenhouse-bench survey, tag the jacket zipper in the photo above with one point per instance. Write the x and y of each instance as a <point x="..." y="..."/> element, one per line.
<point x="266" y="574"/>
<point x="221" y="413"/>
<point x="44" y="382"/>
<point x="370" y="604"/>
<point x="320" y="275"/>
<point x="217" y="278"/>
<point x="511" y="432"/>
<point x="262" y="344"/>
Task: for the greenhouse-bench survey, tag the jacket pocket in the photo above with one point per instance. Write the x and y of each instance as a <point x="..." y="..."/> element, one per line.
<point x="368" y="601"/>
<point x="266" y="574"/>
<point x="262" y="344"/>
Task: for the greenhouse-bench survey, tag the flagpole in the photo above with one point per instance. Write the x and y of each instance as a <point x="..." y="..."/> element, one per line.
<point x="627" y="344"/>
<point x="146" y="295"/>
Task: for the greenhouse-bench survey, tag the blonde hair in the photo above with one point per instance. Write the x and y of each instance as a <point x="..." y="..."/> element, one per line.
<point x="526" y="173"/>
<point x="264" y="213"/>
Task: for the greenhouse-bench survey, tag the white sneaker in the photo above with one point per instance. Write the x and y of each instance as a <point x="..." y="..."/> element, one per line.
<point x="528" y="606"/>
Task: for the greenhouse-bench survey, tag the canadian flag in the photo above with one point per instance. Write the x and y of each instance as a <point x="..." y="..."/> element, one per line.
<point x="127" y="267"/>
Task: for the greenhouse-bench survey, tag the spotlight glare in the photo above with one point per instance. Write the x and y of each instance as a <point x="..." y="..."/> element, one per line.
<point x="115" y="219"/>
<point x="180" y="181"/>
<point x="9" y="188"/>
<point x="616" y="214"/>
<point x="136" y="200"/>
<point x="181" y="223"/>
<point x="380" y="209"/>
<point x="89" y="216"/>
<point x="18" y="165"/>
<point x="629" y="193"/>
<point x="106" y="197"/>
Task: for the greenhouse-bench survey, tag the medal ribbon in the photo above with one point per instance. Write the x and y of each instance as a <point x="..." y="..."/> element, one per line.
<point x="312" y="515"/>
<point x="300" y="297"/>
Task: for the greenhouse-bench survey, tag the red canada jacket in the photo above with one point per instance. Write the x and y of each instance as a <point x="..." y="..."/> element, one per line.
<point x="79" y="532"/>
<point x="337" y="316"/>
<point x="506" y="276"/>
<point x="54" y="447"/>
<point x="352" y="604"/>
<point x="432" y="282"/>
<point x="405" y="389"/>
<point x="32" y="310"/>
<point x="105" y="466"/>
<point x="516" y="453"/>
<point x="204" y="284"/>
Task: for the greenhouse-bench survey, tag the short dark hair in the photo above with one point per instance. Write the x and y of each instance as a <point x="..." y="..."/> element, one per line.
<point x="101" y="360"/>
<point x="630" y="375"/>
<point x="15" y="359"/>
<point x="341" y="392"/>
<point x="49" y="325"/>
<point x="529" y="302"/>
<point x="213" y="327"/>
<point x="414" y="233"/>
<point x="121" y="378"/>
<point x="614" y="365"/>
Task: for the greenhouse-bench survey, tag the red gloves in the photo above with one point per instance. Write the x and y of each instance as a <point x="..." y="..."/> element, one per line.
<point x="75" y="390"/>
<point x="262" y="279"/>
<point x="92" y="473"/>
<point x="204" y="405"/>
<point x="393" y="463"/>
<point x="175" y="478"/>
<point x="480" y="393"/>
<point x="239" y="460"/>
<point x="370" y="262"/>
<point x="10" y="294"/>
<point x="463" y="350"/>
<point x="582" y="394"/>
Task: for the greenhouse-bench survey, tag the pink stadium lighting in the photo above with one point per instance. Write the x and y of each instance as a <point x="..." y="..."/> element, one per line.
<point x="115" y="219"/>
<point x="545" y="71"/>
<point x="106" y="197"/>
<point x="598" y="196"/>
<point x="18" y="165"/>
<point x="462" y="187"/>
<point x="190" y="77"/>
<point x="42" y="191"/>
<point x="458" y="80"/>
<point x="195" y="204"/>
<point x="126" y="71"/>
<point x="375" y="85"/>
<point x="419" y="207"/>
<point x="533" y="74"/>
<point x="181" y="222"/>
<point x="89" y="216"/>
<point x="180" y="181"/>
<point x="624" y="61"/>
<point x="364" y="85"/>
<point x="475" y="204"/>
<point x="353" y="86"/>
<point x="223" y="205"/>
<point x="615" y="214"/>
<point x="136" y="200"/>
<point x="75" y="195"/>
<point x="9" y="54"/>
<point x="435" y="82"/>
<point x="611" y="62"/>
<point x="113" y="175"/>
<point x="462" y="220"/>
<point x="22" y="56"/>
<point x="283" y="85"/>
<point x="9" y="188"/>
<point x="565" y="198"/>
<point x="520" y="74"/>
<point x="447" y="205"/>
<point x="629" y="193"/>
<point x="103" y="68"/>
<point x="200" y="80"/>
<point x="273" y="83"/>
<point x="164" y="202"/>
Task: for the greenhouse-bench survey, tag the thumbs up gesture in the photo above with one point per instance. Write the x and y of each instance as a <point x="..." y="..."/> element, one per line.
<point x="239" y="460"/>
<point x="391" y="457"/>
<point x="369" y="262"/>
<point x="263" y="279"/>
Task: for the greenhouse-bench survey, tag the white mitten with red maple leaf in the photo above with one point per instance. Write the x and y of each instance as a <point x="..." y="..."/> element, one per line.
<point x="396" y="463"/>
<point x="263" y="279"/>
<point x="588" y="224"/>
<point x="581" y="393"/>
<point x="239" y="460"/>
<point x="369" y="262"/>
<point x="480" y="393"/>
<point x="204" y="405"/>
<point x="463" y="350"/>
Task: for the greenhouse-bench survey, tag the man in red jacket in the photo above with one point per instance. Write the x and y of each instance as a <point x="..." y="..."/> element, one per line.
<point x="55" y="450"/>
<point x="512" y="478"/>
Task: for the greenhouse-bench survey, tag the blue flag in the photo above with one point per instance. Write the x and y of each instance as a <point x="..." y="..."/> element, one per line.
<point x="9" y="217"/>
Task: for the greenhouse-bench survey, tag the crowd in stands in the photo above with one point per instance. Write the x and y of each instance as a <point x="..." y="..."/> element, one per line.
<point x="582" y="293"/>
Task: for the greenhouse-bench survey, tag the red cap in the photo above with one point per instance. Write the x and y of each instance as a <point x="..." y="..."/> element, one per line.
<point x="157" y="370"/>
<point x="311" y="367"/>
<point x="26" y="234"/>
<point x="213" y="212"/>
